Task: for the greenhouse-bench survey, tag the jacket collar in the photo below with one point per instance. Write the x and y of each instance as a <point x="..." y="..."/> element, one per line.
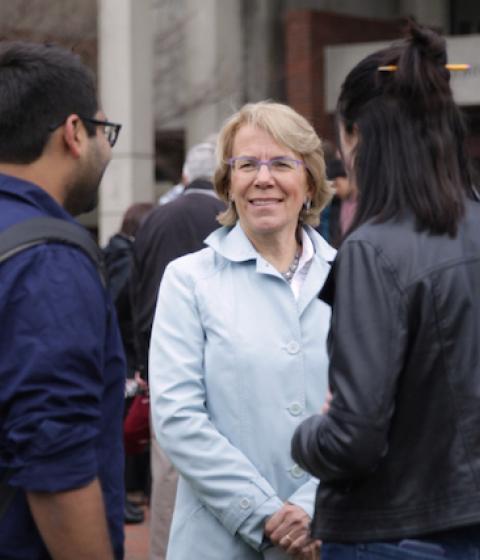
<point x="32" y="195"/>
<point x="199" y="184"/>
<point x="234" y="245"/>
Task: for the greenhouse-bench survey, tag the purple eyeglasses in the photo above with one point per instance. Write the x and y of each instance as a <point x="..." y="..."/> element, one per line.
<point x="251" y="165"/>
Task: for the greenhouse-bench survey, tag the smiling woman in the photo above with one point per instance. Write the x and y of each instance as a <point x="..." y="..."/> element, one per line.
<point x="268" y="202"/>
<point x="238" y="356"/>
<point x="272" y="174"/>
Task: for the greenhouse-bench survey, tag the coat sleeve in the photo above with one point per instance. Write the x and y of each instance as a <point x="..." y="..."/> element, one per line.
<point x="367" y="342"/>
<point x="224" y="479"/>
<point x="304" y="496"/>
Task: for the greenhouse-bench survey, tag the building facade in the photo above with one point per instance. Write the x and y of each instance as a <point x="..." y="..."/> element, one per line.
<point x="172" y="70"/>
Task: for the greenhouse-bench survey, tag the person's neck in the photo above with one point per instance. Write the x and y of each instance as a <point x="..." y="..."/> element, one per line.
<point x="279" y="248"/>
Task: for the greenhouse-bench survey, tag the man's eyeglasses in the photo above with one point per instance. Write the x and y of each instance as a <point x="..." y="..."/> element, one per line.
<point x="251" y="166"/>
<point x="111" y="130"/>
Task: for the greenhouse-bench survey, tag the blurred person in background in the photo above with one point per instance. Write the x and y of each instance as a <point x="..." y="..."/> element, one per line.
<point x="170" y="231"/>
<point x="330" y="153"/>
<point x="344" y="202"/>
<point x="119" y="262"/>
<point x="398" y="450"/>
<point x="175" y="191"/>
<point x="172" y="193"/>
<point x="234" y="352"/>
<point x="118" y="256"/>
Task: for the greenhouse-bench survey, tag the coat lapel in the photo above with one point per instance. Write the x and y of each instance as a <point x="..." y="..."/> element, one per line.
<point x="316" y="276"/>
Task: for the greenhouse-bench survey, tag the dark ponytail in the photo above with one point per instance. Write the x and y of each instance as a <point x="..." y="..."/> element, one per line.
<point x="410" y="156"/>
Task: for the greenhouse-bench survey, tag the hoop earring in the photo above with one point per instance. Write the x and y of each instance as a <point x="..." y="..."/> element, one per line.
<point x="307" y="205"/>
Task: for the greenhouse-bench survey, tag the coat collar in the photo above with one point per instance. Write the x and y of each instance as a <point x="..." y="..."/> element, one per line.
<point x="234" y="245"/>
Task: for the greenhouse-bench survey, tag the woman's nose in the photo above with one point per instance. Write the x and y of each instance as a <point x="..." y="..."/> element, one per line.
<point x="264" y="175"/>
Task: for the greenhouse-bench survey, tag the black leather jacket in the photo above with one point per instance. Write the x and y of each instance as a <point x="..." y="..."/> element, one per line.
<point x="398" y="454"/>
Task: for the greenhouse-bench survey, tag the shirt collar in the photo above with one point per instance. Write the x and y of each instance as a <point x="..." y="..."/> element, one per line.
<point x="33" y="195"/>
<point x="307" y="250"/>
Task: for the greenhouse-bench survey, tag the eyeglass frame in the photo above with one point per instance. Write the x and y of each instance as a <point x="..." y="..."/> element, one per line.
<point x="97" y="122"/>
<point x="115" y="127"/>
<point x="268" y="162"/>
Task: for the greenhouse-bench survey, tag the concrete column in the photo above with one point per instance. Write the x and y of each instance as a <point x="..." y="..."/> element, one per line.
<point x="213" y="65"/>
<point x="126" y="95"/>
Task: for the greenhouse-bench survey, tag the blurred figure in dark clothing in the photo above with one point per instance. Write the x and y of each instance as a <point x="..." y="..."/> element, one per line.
<point x="118" y="262"/>
<point x="170" y="231"/>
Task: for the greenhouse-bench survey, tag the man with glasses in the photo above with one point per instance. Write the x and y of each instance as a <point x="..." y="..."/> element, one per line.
<point x="62" y="366"/>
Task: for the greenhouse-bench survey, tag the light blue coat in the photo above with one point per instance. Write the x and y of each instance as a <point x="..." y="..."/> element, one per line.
<point x="236" y="363"/>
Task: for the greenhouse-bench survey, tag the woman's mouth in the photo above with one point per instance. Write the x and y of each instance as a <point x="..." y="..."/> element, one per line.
<point x="264" y="201"/>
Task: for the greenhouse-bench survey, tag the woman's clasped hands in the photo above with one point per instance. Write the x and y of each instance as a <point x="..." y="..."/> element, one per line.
<point x="289" y="529"/>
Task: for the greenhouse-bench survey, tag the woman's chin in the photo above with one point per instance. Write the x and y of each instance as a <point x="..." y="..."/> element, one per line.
<point x="266" y="227"/>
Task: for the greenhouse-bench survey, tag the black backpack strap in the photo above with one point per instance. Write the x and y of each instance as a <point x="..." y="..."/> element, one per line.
<point x="39" y="230"/>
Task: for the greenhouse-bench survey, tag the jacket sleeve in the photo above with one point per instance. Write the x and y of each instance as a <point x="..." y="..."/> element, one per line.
<point x="224" y="479"/>
<point x="366" y="343"/>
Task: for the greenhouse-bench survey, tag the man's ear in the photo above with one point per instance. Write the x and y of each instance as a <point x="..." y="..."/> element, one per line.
<point x="74" y="135"/>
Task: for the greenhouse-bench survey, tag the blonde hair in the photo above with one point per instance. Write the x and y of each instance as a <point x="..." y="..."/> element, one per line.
<point x="288" y="129"/>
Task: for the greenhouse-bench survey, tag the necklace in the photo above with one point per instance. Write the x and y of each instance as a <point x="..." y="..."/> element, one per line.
<point x="290" y="272"/>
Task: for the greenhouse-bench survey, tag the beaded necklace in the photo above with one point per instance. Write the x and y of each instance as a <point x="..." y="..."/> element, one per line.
<point x="290" y="272"/>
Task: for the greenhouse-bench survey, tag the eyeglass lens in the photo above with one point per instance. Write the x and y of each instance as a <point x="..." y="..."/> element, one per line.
<point x="275" y="165"/>
<point x="110" y="134"/>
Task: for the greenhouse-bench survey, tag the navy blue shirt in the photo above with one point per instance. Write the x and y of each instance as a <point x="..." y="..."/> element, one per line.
<point x="62" y="375"/>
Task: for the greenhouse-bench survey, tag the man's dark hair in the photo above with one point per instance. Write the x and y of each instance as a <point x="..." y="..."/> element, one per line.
<point x="410" y="155"/>
<point x="40" y="86"/>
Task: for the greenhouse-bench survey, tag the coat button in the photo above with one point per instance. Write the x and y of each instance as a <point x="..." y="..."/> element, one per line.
<point x="295" y="409"/>
<point x="244" y="503"/>
<point x="293" y="347"/>
<point x="296" y="471"/>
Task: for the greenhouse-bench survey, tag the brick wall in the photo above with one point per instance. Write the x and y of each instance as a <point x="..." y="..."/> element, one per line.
<point x="307" y="33"/>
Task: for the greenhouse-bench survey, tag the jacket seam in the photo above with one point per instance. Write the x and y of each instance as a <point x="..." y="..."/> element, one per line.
<point x="379" y="253"/>
<point x="440" y="268"/>
<point x="447" y="369"/>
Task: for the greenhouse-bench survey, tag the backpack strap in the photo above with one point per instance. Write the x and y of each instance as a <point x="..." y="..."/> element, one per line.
<point x="29" y="233"/>
<point x="36" y="231"/>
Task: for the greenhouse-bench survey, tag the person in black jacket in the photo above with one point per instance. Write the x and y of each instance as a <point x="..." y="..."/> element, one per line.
<point x="398" y="449"/>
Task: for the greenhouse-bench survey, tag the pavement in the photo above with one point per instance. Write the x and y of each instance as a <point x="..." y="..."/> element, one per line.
<point x="137" y="538"/>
